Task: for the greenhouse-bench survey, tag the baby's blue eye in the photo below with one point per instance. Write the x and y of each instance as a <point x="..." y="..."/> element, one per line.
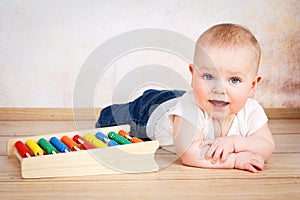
<point x="235" y="80"/>
<point x="207" y="77"/>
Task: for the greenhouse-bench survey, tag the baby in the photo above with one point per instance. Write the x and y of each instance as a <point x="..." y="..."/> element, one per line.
<point x="216" y="124"/>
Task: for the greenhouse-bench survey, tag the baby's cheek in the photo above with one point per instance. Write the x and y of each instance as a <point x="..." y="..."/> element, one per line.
<point x="239" y="100"/>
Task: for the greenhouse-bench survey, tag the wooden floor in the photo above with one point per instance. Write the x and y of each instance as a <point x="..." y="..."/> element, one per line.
<point x="279" y="180"/>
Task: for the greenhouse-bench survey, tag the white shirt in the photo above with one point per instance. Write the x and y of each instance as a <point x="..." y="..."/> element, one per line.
<point x="160" y="124"/>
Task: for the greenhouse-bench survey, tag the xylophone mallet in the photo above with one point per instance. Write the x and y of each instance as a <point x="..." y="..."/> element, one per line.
<point x="94" y="141"/>
<point x="47" y="146"/>
<point x="105" y="139"/>
<point x="34" y="147"/>
<point x="84" y="144"/>
<point x="61" y="147"/>
<point x="126" y="135"/>
<point x="119" y="139"/>
<point x="70" y="143"/>
<point x="23" y="149"/>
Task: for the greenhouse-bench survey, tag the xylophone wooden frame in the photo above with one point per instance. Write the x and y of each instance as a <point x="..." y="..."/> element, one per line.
<point x="81" y="163"/>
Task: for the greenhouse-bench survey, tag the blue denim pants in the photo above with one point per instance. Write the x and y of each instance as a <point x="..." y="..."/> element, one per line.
<point x="137" y="112"/>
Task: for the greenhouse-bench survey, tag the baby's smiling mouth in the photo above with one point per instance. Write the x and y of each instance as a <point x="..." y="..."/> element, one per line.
<point x="218" y="104"/>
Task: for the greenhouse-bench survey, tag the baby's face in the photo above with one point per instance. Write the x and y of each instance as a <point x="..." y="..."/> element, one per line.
<point x="223" y="79"/>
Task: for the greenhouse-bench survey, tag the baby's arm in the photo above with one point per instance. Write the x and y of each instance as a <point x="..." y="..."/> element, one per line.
<point x="260" y="142"/>
<point x="187" y="140"/>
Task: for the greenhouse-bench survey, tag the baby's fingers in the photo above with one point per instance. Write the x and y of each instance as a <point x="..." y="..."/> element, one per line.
<point x="203" y="152"/>
<point x="211" y="151"/>
<point x="216" y="155"/>
<point x="254" y="165"/>
<point x="257" y="164"/>
<point x="206" y="142"/>
<point x="225" y="155"/>
<point x="251" y="168"/>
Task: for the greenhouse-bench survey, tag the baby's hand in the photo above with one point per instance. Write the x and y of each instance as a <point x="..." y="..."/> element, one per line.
<point x="249" y="161"/>
<point x="220" y="149"/>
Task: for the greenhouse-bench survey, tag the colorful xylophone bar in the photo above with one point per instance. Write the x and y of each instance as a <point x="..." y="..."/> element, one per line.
<point x="77" y="143"/>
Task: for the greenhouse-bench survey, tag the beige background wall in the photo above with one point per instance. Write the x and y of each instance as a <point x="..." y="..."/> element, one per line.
<point x="43" y="44"/>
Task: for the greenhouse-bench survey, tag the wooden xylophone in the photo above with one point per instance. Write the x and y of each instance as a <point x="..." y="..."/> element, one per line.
<point x="109" y="150"/>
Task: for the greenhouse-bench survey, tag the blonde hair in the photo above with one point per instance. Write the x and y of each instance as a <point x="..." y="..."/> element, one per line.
<point x="228" y="35"/>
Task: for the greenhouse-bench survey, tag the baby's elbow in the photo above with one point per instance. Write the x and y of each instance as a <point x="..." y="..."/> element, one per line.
<point x="270" y="150"/>
<point x="190" y="158"/>
<point x="272" y="145"/>
<point x="192" y="163"/>
<point x="187" y="158"/>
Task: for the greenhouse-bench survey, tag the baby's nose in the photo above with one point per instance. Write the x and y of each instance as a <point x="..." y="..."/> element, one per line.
<point x="218" y="87"/>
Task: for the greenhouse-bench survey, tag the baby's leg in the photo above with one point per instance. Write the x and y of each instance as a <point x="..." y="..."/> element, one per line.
<point x="137" y="112"/>
<point x="120" y="114"/>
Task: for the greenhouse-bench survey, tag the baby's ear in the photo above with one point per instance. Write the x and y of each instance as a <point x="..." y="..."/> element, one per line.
<point x="256" y="80"/>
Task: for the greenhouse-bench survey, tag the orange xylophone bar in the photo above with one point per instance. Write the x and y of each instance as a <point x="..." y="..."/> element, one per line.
<point x="70" y="143"/>
<point x="128" y="137"/>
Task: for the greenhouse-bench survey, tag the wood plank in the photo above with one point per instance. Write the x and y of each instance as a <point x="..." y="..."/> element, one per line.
<point x="148" y="189"/>
<point x="280" y="166"/>
<point x="47" y="114"/>
<point x="28" y="128"/>
<point x="283" y="113"/>
<point x="289" y="143"/>
<point x="285" y="126"/>
<point x="32" y="114"/>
